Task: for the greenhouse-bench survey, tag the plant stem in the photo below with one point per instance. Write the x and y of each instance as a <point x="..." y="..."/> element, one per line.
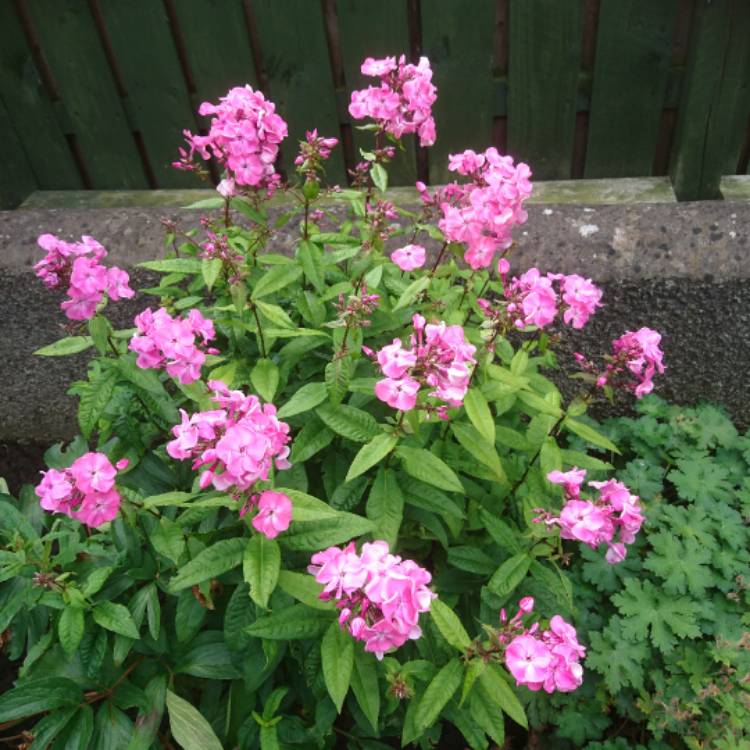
<point x="260" y="332"/>
<point x="438" y="259"/>
<point x="305" y="233"/>
<point x="226" y="212"/>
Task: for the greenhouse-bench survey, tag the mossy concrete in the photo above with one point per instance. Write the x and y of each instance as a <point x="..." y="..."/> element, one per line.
<point x="682" y="268"/>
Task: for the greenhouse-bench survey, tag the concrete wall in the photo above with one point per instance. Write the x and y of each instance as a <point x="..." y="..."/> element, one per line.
<point x="680" y="268"/>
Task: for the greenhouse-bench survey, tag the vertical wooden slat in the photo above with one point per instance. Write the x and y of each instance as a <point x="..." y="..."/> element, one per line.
<point x="375" y="30"/>
<point x="16" y="177"/>
<point x="29" y="109"/>
<point x="459" y="40"/>
<point x="715" y="99"/>
<point x="73" y="49"/>
<point x="544" y="60"/>
<point x="217" y="45"/>
<point x="633" y="51"/>
<point x="295" y="59"/>
<point x="156" y="92"/>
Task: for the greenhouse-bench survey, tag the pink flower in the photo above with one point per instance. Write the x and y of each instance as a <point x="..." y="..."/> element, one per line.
<point x="642" y="356"/>
<point x="275" y="514"/>
<point x="170" y="343"/>
<point x="402" y="103"/>
<point x="77" y="266"/>
<point x="570" y="480"/>
<point x="582" y="298"/>
<point x="409" y="257"/>
<point x="529" y="661"/>
<point x="398" y="394"/>
<point x="244" y="136"/>
<point x="85" y="491"/>
<point x="380" y="595"/>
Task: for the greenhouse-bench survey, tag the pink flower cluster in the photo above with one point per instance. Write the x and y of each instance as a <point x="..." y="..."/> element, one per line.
<point x="164" y="341"/>
<point x="313" y="151"/>
<point x="409" y="257"/>
<point x="84" y="491"/>
<point x="244" y="136"/>
<point x="76" y="265"/>
<point x="483" y="212"/>
<point x="402" y="103"/>
<point x="439" y="357"/>
<point x="532" y="299"/>
<point x="548" y="659"/>
<point x="274" y="512"/>
<point x="596" y="522"/>
<point x="379" y="594"/>
<point x="238" y="442"/>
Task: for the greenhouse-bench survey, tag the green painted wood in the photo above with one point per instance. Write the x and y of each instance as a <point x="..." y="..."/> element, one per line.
<point x="17" y="179"/>
<point x="76" y="58"/>
<point x="217" y="45"/>
<point x="544" y="58"/>
<point x="459" y="45"/>
<point x="295" y="58"/>
<point x="30" y="110"/>
<point x="375" y="30"/>
<point x="156" y="92"/>
<point x="716" y="99"/>
<point x="633" y="51"/>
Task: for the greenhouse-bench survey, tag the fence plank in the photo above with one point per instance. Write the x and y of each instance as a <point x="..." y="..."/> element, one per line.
<point x="460" y="47"/>
<point x="375" y="30"/>
<point x="295" y="58"/>
<point x="633" y="51"/>
<point x="16" y="177"/>
<point x="715" y="99"/>
<point x="217" y="46"/>
<point x="74" y="52"/>
<point x="544" y="59"/>
<point x="30" y="110"/>
<point x="157" y="95"/>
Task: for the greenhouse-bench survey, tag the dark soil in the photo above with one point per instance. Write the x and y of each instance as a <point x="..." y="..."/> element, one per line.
<point x="21" y="463"/>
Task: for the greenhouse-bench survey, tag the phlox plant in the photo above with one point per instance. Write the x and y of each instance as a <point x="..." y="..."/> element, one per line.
<point x="323" y="498"/>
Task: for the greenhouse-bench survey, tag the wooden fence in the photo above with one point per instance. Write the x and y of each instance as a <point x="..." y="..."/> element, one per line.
<point x="95" y="93"/>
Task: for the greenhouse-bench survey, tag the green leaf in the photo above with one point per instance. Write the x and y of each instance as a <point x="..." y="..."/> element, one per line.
<point x="209" y="563"/>
<point x="36" y="696"/>
<point x="293" y="623"/>
<point x="260" y="566"/>
<point x="425" y="466"/>
<point x="438" y="693"/>
<point x="173" y="265"/>
<point x="589" y="434"/>
<point x="494" y="682"/>
<point x="274" y="314"/>
<point x="501" y="532"/>
<point x="310" y="257"/>
<point x="316" y="535"/>
<point x="520" y="362"/>
<point x="94" y="399"/>
<point x="179" y="499"/>
<point x="337" y="376"/>
<point x="539" y="404"/>
<point x="584" y="461"/>
<point x="189" y="727"/>
<point x="46" y="729"/>
<point x="429" y="498"/>
<point x="449" y="625"/>
<point x="349" y="422"/>
<point x="337" y="663"/>
<point x="478" y="411"/>
<point x="147" y="723"/>
<point x="115" y="617"/>
<point x="511" y="438"/>
<point x="472" y="441"/>
<point x="509" y="575"/>
<point x="618" y="659"/>
<point x="207" y="203"/>
<point x="549" y="456"/>
<point x="265" y="379"/>
<point x="385" y="506"/>
<point x="304" y="588"/>
<point x="78" y="734"/>
<point x="306" y="507"/>
<point x="379" y="177"/>
<point x="307" y="397"/>
<point x="168" y="539"/>
<point x="68" y="345"/>
<point x="412" y="292"/>
<point x="70" y="628"/>
<point x="365" y="686"/>
<point x="211" y="268"/>
<point x="210" y="659"/>
<point x="370" y="454"/>
<point x="311" y="439"/>
<point x="275" y="280"/>
<point x="100" y="330"/>
<point x="484" y="712"/>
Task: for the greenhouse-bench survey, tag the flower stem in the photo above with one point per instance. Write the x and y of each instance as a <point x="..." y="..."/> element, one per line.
<point x="261" y="340"/>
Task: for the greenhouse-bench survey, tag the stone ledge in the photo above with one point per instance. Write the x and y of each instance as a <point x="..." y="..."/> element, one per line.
<point x="682" y="268"/>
